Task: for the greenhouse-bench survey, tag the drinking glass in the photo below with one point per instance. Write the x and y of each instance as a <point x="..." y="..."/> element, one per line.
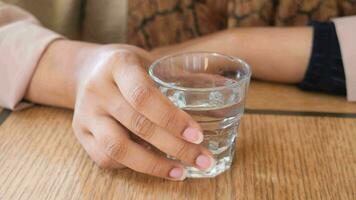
<point x="211" y="87"/>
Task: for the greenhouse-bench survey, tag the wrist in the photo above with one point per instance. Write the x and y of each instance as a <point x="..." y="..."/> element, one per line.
<point x="58" y="73"/>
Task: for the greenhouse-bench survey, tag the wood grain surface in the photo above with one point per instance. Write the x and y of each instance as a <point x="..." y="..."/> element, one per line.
<point x="263" y="95"/>
<point x="278" y="157"/>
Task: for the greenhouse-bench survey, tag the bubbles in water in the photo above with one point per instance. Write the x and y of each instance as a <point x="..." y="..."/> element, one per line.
<point x="216" y="98"/>
<point x="235" y="96"/>
<point x="178" y="98"/>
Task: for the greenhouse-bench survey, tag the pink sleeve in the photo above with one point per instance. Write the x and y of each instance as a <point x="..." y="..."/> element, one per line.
<point x="22" y="42"/>
<point x="346" y="32"/>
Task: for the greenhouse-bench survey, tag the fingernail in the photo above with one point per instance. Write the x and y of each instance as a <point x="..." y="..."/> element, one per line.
<point x="205" y="162"/>
<point x="177" y="173"/>
<point x="193" y="135"/>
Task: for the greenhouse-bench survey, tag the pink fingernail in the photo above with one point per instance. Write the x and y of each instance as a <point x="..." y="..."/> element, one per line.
<point x="177" y="173"/>
<point x="193" y="135"/>
<point x="204" y="162"/>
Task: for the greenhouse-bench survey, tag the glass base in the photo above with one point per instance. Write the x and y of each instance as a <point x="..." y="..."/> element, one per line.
<point x="221" y="142"/>
<point x="220" y="167"/>
<point x="223" y="163"/>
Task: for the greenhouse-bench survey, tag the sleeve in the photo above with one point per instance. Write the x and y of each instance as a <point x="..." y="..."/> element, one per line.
<point x="346" y="32"/>
<point x="22" y="42"/>
<point x="325" y="72"/>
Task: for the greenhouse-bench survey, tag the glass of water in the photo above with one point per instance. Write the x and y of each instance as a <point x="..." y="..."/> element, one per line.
<point x="211" y="87"/>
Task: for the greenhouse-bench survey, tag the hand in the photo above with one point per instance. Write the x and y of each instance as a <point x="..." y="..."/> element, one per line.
<point x="115" y="96"/>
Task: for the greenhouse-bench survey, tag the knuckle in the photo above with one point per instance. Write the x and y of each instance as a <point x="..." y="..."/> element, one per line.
<point x="91" y="86"/>
<point x="156" y="168"/>
<point x="143" y="126"/>
<point x="116" y="149"/>
<point x="169" y="120"/>
<point x="121" y="53"/>
<point x="127" y="56"/>
<point x="104" y="162"/>
<point x="121" y="56"/>
<point x="183" y="152"/>
<point x="140" y="94"/>
<point x="187" y="152"/>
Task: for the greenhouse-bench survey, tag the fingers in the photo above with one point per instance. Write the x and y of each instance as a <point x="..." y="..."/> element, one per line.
<point x="140" y="92"/>
<point x="185" y="151"/>
<point x="95" y="152"/>
<point x="116" y="144"/>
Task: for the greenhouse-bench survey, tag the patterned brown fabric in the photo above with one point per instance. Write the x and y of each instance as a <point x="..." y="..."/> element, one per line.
<point x="155" y="23"/>
<point x="161" y="22"/>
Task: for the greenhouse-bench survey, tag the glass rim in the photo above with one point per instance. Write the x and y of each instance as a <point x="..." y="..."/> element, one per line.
<point x="231" y="85"/>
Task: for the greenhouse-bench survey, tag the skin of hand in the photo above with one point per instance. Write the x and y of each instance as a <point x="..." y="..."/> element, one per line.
<point x="274" y="54"/>
<point x="113" y="97"/>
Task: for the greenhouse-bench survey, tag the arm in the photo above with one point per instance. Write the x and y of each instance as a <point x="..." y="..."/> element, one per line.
<point x="110" y="91"/>
<point x="275" y="54"/>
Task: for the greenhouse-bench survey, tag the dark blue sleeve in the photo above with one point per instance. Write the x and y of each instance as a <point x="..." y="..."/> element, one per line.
<point x="325" y="72"/>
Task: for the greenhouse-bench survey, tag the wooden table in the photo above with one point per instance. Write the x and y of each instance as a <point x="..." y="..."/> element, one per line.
<point x="292" y="145"/>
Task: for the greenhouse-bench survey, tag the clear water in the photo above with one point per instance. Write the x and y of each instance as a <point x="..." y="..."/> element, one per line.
<point x="219" y="115"/>
<point x="220" y="132"/>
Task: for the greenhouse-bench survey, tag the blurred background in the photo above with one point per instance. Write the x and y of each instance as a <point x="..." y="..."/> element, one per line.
<point x="153" y="23"/>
